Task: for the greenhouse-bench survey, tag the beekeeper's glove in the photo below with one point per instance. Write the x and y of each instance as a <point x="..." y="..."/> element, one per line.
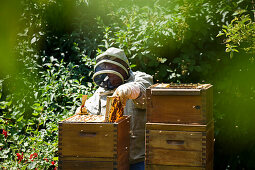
<point x="127" y="91"/>
<point x="81" y="110"/>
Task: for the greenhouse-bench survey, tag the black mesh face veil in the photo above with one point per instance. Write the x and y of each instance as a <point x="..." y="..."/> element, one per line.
<point x="111" y="70"/>
<point x="112" y="65"/>
<point x="110" y="74"/>
<point x="108" y="80"/>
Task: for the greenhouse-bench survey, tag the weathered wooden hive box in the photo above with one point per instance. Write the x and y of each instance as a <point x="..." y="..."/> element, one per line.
<point x="179" y="146"/>
<point x="179" y="128"/>
<point x="179" y="103"/>
<point x="94" y="145"/>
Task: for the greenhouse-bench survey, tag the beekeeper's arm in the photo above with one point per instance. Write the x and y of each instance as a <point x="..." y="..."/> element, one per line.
<point x="135" y="90"/>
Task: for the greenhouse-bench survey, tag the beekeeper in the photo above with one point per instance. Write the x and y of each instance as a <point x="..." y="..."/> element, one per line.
<point x="114" y="76"/>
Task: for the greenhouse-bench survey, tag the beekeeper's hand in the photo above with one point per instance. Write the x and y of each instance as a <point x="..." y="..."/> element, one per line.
<point x="127" y="91"/>
<point x="81" y="110"/>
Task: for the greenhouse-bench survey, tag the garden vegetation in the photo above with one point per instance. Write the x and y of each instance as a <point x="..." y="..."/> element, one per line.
<point x="48" y="50"/>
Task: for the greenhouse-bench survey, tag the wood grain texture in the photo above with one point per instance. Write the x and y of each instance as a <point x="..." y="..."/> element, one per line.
<point x="177" y="140"/>
<point x="179" y="147"/>
<point x="123" y="142"/>
<point x="210" y="148"/>
<point x="189" y="106"/>
<point x="175" y="109"/>
<point x="209" y="104"/>
<point x="174" y="157"/>
<point x="167" y="167"/>
<point x="169" y="91"/>
<point x="92" y="159"/>
<point x="176" y="127"/>
<point x="88" y="165"/>
<point x="94" y="146"/>
<point x="87" y="140"/>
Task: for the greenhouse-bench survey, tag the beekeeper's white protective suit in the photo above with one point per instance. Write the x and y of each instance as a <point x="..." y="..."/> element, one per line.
<point x="131" y="87"/>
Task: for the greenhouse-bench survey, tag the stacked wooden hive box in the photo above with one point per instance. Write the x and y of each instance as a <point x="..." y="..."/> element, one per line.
<point x="89" y="142"/>
<point x="179" y="128"/>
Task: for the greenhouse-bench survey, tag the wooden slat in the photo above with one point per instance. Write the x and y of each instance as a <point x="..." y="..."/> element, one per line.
<point x="176" y="127"/>
<point x="90" y="165"/>
<point x="123" y="144"/>
<point x="87" y="140"/>
<point x="148" y="104"/>
<point x="180" y="86"/>
<point x="174" y="157"/>
<point x="209" y="147"/>
<point x="94" y="159"/>
<point x="209" y="104"/>
<point x="167" y="167"/>
<point x="84" y="98"/>
<point x="180" y="105"/>
<point x="177" y="140"/>
<point x="181" y="92"/>
<point x="170" y="144"/>
<point x="94" y="145"/>
<point x="175" y="109"/>
<point x="99" y="127"/>
<point x="209" y="165"/>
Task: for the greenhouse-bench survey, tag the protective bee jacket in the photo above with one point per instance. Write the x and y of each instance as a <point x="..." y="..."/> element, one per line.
<point x="136" y="108"/>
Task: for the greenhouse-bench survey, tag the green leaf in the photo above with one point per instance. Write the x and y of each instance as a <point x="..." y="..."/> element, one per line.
<point x="162" y="60"/>
<point x="24" y="167"/>
<point x="239" y="12"/>
<point x="132" y="65"/>
<point x="231" y="55"/>
<point x="20" y="118"/>
<point x="220" y="34"/>
<point x="48" y="65"/>
<point x="37" y="107"/>
<point x="35" y="114"/>
<point x="228" y="50"/>
<point x="55" y="159"/>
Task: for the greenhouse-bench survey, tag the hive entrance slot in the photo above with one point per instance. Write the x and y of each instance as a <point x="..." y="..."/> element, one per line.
<point x="87" y="134"/>
<point x="175" y="142"/>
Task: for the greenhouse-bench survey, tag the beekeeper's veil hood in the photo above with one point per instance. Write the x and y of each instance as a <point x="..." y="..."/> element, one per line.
<point x="112" y="68"/>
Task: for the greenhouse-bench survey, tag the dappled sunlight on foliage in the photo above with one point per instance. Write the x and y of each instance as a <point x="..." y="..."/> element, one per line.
<point x="48" y="50"/>
<point x="240" y="33"/>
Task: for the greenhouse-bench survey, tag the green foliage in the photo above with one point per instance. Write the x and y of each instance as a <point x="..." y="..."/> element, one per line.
<point x="55" y="69"/>
<point x="31" y="120"/>
<point x="175" y="41"/>
<point x="172" y="42"/>
<point x="235" y="91"/>
<point x="240" y="33"/>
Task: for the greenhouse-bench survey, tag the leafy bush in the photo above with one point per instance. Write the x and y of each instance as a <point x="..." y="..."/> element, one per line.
<point x="235" y="97"/>
<point x="175" y="41"/>
<point x="31" y="121"/>
<point x="239" y="33"/>
<point x="45" y="89"/>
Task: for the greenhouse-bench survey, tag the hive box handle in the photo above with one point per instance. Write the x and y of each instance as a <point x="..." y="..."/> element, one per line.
<point x="87" y="134"/>
<point x="176" y="92"/>
<point x="175" y="142"/>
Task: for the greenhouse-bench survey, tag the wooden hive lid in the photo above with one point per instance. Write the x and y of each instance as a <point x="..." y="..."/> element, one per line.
<point x="69" y="120"/>
<point x="195" y="127"/>
<point x="178" y="89"/>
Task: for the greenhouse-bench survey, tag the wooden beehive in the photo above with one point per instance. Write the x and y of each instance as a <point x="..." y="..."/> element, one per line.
<point x="179" y="146"/>
<point x="179" y="103"/>
<point x="94" y="145"/>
